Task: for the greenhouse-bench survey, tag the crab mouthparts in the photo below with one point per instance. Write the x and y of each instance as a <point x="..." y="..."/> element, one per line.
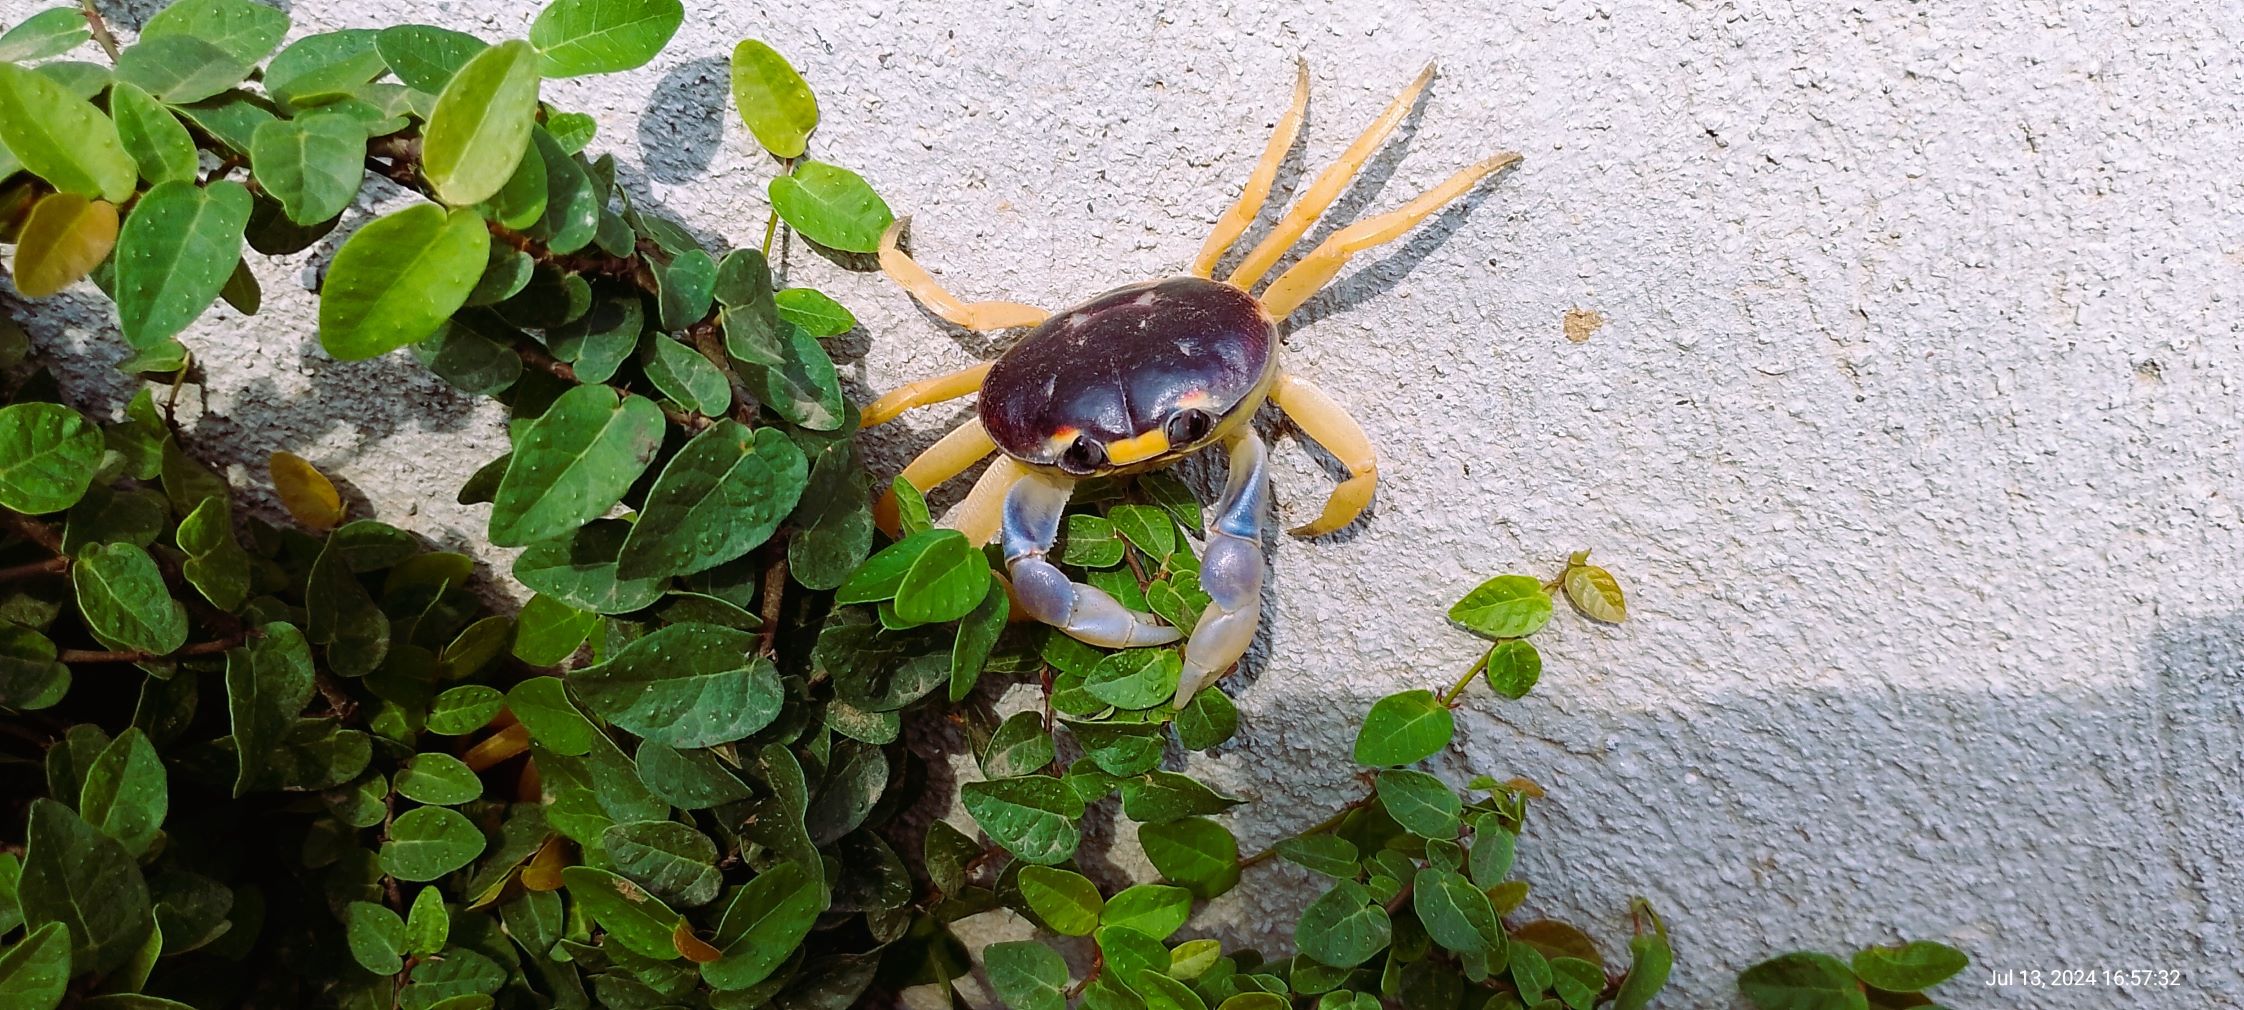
<point x="1123" y="452"/>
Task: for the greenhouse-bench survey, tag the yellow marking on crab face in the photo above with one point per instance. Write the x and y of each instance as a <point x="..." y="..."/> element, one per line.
<point x="1125" y="451"/>
<point x="1058" y="441"/>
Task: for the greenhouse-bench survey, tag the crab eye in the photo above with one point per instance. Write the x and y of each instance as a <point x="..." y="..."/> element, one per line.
<point x="1083" y="456"/>
<point x="1188" y="426"/>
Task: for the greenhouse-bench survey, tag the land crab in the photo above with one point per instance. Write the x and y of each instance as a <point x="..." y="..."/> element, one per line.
<point x="1148" y="374"/>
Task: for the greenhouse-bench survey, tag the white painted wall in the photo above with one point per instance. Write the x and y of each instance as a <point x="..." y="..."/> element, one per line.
<point x="1912" y="426"/>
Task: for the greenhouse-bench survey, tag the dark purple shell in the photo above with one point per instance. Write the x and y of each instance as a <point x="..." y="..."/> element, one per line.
<point x="1117" y="365"/>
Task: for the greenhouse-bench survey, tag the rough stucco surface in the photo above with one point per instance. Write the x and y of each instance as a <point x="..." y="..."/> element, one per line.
<point x="1911" y="424"/>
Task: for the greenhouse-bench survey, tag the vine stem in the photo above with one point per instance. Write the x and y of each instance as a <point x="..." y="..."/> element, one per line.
<point x="100" y="29"/>
<point x="137" y="656"/>
<point x="52" y="566"/>
<point x="1456" y="693"/>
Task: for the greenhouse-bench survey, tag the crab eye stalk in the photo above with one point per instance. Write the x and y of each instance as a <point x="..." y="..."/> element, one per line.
<point x="1188" y="426"/>
<point x="1084" y="456"/>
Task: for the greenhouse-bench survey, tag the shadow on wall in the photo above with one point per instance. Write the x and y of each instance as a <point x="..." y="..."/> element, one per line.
<point x="684" y="125"/>
<point x="2069" y="829"/>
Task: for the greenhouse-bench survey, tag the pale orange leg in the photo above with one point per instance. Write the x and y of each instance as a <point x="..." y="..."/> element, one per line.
<point x="1234" y="222"/>
<point x="923" y="286"/>
<point x="921" y="393"/>
<point x="947" y="458"/>
<point x="1327" y="422"/>
<point x="983" y="510"/>
<point x="1327" y="188"/>
<point x="1305" y="278"/>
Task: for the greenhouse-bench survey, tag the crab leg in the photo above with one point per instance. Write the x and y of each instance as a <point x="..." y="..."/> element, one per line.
<point x="1032" y="522"/>
<point x="1327" y="188"/>
<point x="947" y="458"/>
<point x="1234" y="222"/>
<point x="983" y="509"/>
<point x="1230" y="570"/>
<point x="1326" y="421"/>
<point x="929" y="291"/>
<point x="921" y="393"/>
<point x="1305" y="278"/>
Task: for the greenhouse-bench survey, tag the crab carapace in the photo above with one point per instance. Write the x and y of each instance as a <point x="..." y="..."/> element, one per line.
<point x="1145" y="375"/>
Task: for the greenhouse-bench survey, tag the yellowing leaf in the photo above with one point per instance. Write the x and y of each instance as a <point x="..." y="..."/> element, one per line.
<point x="307" y="493"/>
<point x="65" y="237"/>
<point x="1596" y="593"/>
<point x="772" y="99"/>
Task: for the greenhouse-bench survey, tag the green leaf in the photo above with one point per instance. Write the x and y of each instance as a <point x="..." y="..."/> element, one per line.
<point x="153" y="136"/>
<point x="427" y="924"/>
<point x="1576" y="982"/>
<point x="1455" y="913"/>
<point x="1507" y="606"/>
<point x="323" y="68"/>
<point x="29" y="679"/>
<point x="1156" y="910"/>
<point x="311" y="164"/>
<point x="1404" y="728"/>
<point x="1207" y="720"/>
<point x="1650" y="961"/>
<point x="1421" y="803"/>
<point x="639" y="921"/>
<point x="425" y="57"/>
<point x="1513" y="668"/>
<point x="1136" y="678"/>
<point x="688" y="779"/>
<point x="1165" y="796"/>
<point x="180" y="69"/>
<point x="686" y="685"/>
<point x="124" y="599"/>
<point x="480" y="127"/>
<point x="86" y="881"/>
<point x="48" y="454"/>
<point x="1019" y="747"/>
<point x="764" y="922"/>
<point x="773" y="100"/>
<point x="439" y="780"/>
<point x="1909" y="967"/>
<point x="465" y="353"/>
<point x="1493" y="848"/>
<point x="882" y="575"/>
<point x="834" y="519"/>
<point x="125" y="795"/>
<point x="1196" y="852"/>
<point x="543" y="706"/>
<point x="1066" y="901"/>
<point x="246" y="31"/>
<point x="267" y="686"/>
<point x="573" y="464"/>
<point x="428" y="842"/>
<point x="35" y="973"/>
<point x="977" y="634"/>
<point x="398" y="278"/>
<point x="683" y="375"/>
<point x="578" y="37"/>
<point x="1034" y="816"/>
<point x="666" y="857"/>
<point x="62" y="138"/>
<point x="1330" y="855"/>
<point x="600" y="339"/>
<point x="51" y="32"/>
<point x="684" y="288"/>
<point x="1147" y="527"/>
<point x="1802" y="980"/>
<point x="1027" y="975"/>
<point x="751" y="316"/>
<point x="1090" y="542"/>
<point x="216" y="565"/>
<point x="720" y="497"/>
<point x="549" y="631"/>
<point x="174" y="254"/>
<point x="803" y="387"/>
<point x="464" y="709"/>
<point x="580" y="570"/>
<point x="1164" y="993"/>
<point x="817" y="314"/>
<point x="1342" y="927"/>
<point x="831" y="206"/>
<point x="340" y="614"/>
<point x="376" y="937"/>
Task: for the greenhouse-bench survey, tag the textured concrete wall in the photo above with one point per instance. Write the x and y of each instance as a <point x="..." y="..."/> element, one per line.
<point x="1911" y="424"/>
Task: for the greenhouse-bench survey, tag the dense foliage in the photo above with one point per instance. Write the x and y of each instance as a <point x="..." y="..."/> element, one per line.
<point x="250" y="764"/>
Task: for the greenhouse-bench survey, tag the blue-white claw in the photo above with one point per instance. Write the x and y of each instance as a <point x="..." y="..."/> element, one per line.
<point x="1032" y="522"/>
<point x="1230" y="571"/>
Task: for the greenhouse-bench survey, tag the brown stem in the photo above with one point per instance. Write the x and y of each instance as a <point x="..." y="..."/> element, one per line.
<point x="100" y="29"/>
<point x="137" y="656"/>
<point x="52" y="566"/>
<point x="32" y="529"/>
<point x="775" y="587"/>
<point x="536" y="356"/>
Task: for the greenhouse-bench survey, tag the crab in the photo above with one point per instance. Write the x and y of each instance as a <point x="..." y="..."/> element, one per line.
<point x="1145" y="375"/>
